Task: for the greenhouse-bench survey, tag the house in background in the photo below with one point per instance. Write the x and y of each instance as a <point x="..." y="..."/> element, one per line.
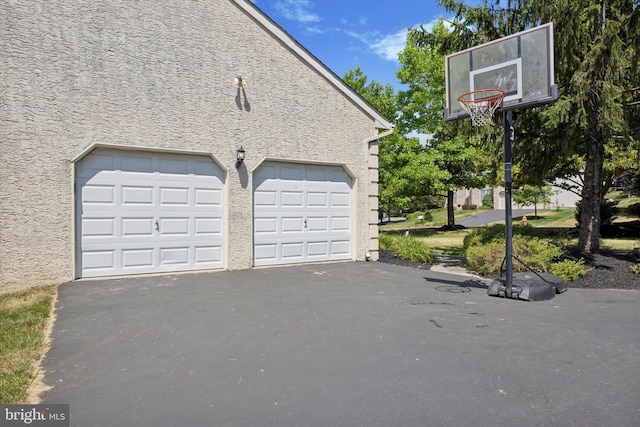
<point x="560" y="199"/>
<point x="163" y="135"/>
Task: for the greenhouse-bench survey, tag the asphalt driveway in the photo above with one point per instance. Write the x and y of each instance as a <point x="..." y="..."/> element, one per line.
<point x="346" y="344"/>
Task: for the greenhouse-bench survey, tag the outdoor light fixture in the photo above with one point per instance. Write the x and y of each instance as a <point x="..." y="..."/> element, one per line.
<point x="240" y="82"/>
<point x="239" y="156"/>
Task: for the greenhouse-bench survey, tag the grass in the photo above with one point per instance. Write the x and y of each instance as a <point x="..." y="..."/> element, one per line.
<point x="23" y="320"/>
<point x="622" y="199"/>
<point x="553" y="218"/>
<point x="554" y="223"/>
<point x="439" y="219"/>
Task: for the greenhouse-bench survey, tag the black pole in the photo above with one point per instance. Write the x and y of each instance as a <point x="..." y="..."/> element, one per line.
<point x="508" y="231"/>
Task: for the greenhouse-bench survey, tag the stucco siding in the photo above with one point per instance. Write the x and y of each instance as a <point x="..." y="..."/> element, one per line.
<point x="147" y="74"/>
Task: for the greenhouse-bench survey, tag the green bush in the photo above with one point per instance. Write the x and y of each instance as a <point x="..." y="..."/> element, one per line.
<point x="487" y="201"/>
<point x="483" y="235"/>
<point x="414" y="215"/>
<point x="636" y="268"/>
<point x="487" y="258"/>
<point x="408" y="247"/>
<point x="485" y="251"/>
<point x="608" y="212"/>
<point x="634" y="209"/>
<point x="386" y="242"/>
<point x="569" y="270"/>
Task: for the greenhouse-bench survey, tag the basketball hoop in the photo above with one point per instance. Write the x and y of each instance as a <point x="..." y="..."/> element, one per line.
<point x="481" y="104"/>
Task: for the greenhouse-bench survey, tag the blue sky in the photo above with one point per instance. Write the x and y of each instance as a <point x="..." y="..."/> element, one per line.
<point x="345" y="34"/>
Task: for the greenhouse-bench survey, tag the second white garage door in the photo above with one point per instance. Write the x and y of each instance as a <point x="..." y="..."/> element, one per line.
<point x="302" y="213"/>
<point x="142" y="212"/>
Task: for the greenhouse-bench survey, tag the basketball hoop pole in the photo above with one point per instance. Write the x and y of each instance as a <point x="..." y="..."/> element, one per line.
<point x="508" y="232"/>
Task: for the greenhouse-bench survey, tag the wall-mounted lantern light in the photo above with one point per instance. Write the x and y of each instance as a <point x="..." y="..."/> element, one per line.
<point x="240" y="82"/>
<point x="239" y="156"/>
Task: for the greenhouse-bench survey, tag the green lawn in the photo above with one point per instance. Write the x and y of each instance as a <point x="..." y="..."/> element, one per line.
<point x="23" y="320"/>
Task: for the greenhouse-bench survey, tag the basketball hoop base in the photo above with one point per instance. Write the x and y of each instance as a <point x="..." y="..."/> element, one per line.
<point x="529" y="287"/>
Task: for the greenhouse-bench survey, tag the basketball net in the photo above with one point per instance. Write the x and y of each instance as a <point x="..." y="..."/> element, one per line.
<point x="481" y="104"/>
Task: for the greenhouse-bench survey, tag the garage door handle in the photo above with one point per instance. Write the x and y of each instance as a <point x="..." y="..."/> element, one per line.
<point x="305" y="223"/>
<point x="157" y="225"/>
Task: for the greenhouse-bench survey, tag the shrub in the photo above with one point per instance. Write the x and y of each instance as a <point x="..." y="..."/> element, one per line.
<point x="386" y="242"/>
<point x="608" y="212"/>
<point x="469" y="207"/>
<point x="569" y="270"/>
<point x="482" y="235"/>
<point x="485" y="259"/>
<point x="487" y="201"/>
<point x="408" y="247"/>
<point x="414" y="215"/>
<point x="636" y="268"/>
<point x="485" y="250"/>
<point x="536" y="253"/>
<point x="634" y="209"/>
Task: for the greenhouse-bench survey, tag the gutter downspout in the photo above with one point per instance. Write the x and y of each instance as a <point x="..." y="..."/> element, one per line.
<point x="367" y="142"/>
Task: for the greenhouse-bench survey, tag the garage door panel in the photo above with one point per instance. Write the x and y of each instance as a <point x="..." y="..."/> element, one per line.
<point x="174" y="166"/>
<point x="298" y="213"/>
<point x="340" y="199"/>
<point x="340" y="247"/>
<point x="148" y="212"/>
<point x="137" y="195"/>
<point x="265" y="198"/>
<point x="318" y="249"/>
<point x="99" y="194"/>
<point x="205" y="226"/>
<point x="266" y="225"/>
<point x="294" y="173"/>
<point x="99" y="260"/>
<point x="292" y="225"/>
<point x="266" y="253"/>
<point x="292" y="199"/>
<point x="174" y="196"/>
<point x="173" y="226"/>
<point x="131" y="163"/>
<point x="99" y="227"/>
<point x="137" y="227"/>
<point x="292" y="250"/>
<point x="340" y="223"/>
<point x="317" y="199"/>
<point x="206" y="197"/>
<point x="174" y="256"/>
<point x="317" y="224"/>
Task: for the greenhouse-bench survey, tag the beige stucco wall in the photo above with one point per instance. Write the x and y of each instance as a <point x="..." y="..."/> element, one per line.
<point x="156" y="73"/>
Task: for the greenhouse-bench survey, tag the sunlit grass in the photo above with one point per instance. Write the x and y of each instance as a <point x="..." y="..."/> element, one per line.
<point x="23" y="319"/>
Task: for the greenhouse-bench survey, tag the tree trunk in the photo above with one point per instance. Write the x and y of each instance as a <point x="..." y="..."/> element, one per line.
<point x="589" y="237"/>
<point x="451" y="219"/>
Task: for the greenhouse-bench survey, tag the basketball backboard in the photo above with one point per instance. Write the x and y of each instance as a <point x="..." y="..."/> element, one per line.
<point x="521" y="64"/>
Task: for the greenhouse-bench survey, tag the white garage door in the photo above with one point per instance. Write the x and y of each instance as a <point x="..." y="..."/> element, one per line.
<point x="141" y="212"/>
<point x="302" y="213"/>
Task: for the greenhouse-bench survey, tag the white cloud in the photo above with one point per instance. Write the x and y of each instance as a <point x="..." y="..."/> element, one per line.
<point x="296" y="10"/>
<point x="390" y="45"/>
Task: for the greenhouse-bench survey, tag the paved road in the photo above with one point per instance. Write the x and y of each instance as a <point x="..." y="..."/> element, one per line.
<point x="481" y="218"/>
<point x="345" y="344"/>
